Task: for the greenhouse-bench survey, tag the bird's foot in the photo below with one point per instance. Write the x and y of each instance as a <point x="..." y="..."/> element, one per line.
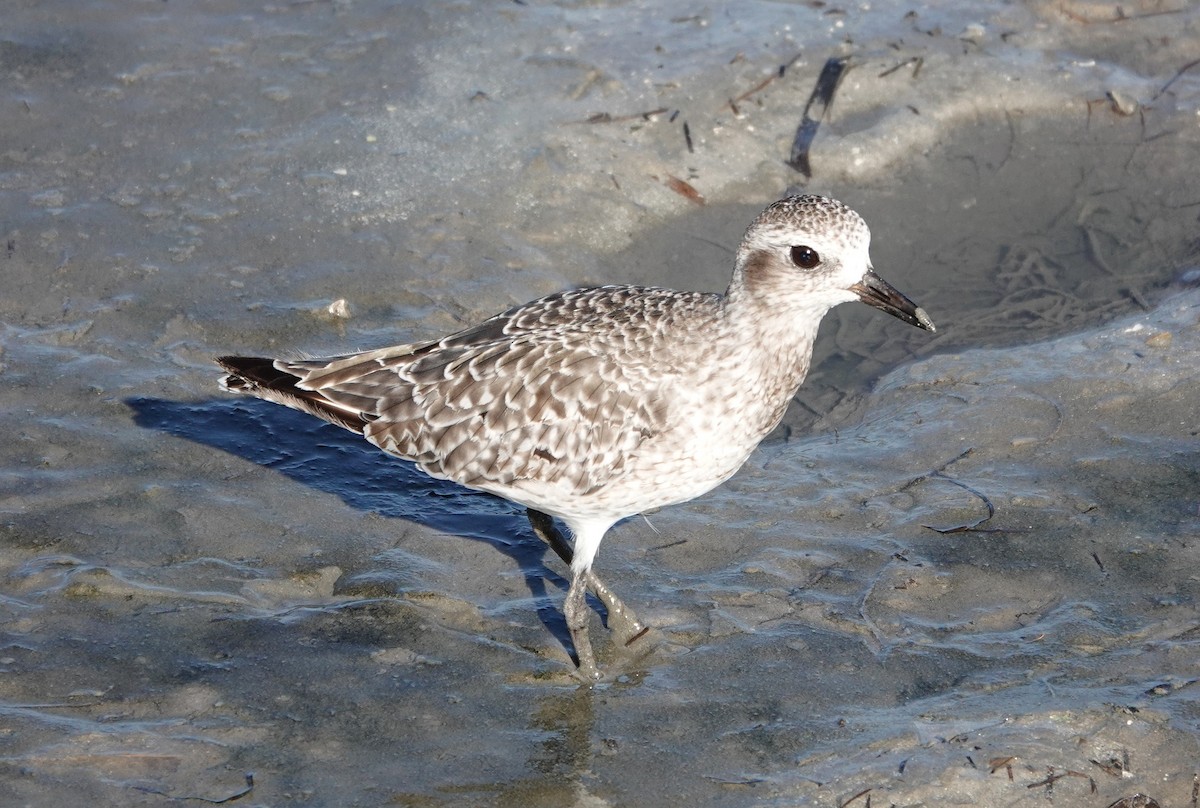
<point x="575" y="611"/>
<point x="623" y="621"/>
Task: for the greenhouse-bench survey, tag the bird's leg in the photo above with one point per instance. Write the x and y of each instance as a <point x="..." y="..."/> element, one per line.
<point x="622" y="620"/>
<point x="543" y="526"/>
<point x="576" y="612"/>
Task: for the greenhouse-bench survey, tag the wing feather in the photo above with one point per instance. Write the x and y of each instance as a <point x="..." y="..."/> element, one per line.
<point x="557" y="391"/>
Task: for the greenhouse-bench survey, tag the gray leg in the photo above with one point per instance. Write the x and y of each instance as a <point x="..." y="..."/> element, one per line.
<point x="575" y="610"/>
<point x="622" y="620"/>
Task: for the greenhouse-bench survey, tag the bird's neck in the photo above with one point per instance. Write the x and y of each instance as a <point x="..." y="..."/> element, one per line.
<point x="771" y="349"/>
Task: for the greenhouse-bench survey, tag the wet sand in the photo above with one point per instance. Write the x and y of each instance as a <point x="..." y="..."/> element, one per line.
<point x="963" y="572"/>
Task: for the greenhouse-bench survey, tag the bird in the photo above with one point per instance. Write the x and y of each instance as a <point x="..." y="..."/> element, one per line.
<point x="595" y="404"/>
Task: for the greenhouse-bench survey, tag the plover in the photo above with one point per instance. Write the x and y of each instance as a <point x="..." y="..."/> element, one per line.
<point x="596" y="404"/>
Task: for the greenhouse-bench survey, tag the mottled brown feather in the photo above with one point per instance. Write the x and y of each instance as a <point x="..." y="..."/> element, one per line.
<point x="531" y="394"/>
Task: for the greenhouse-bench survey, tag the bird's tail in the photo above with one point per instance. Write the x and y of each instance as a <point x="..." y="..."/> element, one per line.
<point x="262" y="378"/>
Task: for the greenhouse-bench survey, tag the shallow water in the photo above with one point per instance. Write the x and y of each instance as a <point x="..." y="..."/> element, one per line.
<point x="196" y="588"/>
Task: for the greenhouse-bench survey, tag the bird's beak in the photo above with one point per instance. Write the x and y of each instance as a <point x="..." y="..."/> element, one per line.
<point x="875" y="291"/>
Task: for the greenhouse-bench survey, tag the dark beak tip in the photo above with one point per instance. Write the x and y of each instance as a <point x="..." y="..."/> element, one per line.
<point x="878" y="293"/>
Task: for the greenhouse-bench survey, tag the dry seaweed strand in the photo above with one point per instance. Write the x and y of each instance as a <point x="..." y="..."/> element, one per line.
<point x="1033" y="289"/>
<point x="237" y="795"/>
<point x="866" y="792"/>
<point x="916" y="61"/>
<point x="762" y="85"/>
<point x="1114" y="767"/>
<point x="939" y="473"/>
<point x="733" y="781"/>
<point x="814" y="112"/>
<point x="1174" y="79"/>
<point x="605" y="117"/>
<point x="1053" y="777"/>
<point x="684" y="189"/>
<point x="998" y="762"/>
<point x="968" y="527"/>
<point x="1117" y="14"/>
<point x="939" y="469"/>
<point x="756" y="88"/>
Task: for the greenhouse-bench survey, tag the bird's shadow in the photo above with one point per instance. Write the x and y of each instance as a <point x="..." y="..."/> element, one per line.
<point x="332" y="460"/>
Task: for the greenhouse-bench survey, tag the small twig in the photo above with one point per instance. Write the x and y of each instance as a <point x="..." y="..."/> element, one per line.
<point x="964" y="528"/>
<point x="1054" y="777"/>
<point x="937" y="470"/>
<point x="211" y="801"/>
<point x="866" y="792"/>
<point x="1175" y="78"/>
<point x="913" y="60"/>
<point x="762" y="85"/>
<point x="730" y="781"/>
<point x="1006" y="762"/>
<point x="52" y="705"/>
<point x="756" y="88"/>
<point x="1118" y="15"/>
<point x="666" y="546"/>
<point x="938" y="473"/>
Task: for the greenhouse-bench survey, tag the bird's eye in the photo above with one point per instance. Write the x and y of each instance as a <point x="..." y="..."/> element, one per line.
<point x="805" y="257"/>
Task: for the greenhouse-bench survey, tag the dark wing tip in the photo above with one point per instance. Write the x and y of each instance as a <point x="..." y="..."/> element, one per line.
<point x="258" y="376"/>
<point x="255" y="371"/>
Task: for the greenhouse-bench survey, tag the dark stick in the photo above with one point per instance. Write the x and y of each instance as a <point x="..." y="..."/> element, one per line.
<point x="814" y="112"/>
